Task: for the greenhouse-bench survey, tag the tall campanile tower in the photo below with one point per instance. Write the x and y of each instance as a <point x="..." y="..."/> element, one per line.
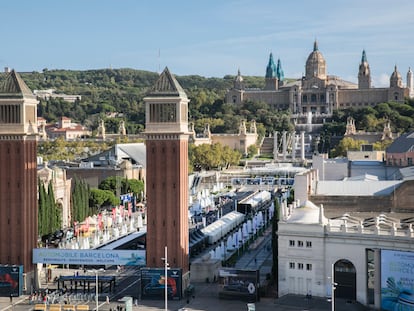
<point x="167" y="136"/>
<point x="18" y="172"/>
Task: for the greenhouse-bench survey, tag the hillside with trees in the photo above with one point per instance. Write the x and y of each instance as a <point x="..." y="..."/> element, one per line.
<point x="117" y="94"/>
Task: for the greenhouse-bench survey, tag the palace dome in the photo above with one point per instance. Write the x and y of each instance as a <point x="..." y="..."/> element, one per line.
<point x="315" y="64"/>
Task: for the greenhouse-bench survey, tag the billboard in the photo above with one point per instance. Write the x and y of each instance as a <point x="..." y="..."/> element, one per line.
<point x="11" y="281"/>
<point x="243" y="284"/>
<point x="153" y="283"/>
<point x="89" y="257"/>
<point x="397" y="280"/>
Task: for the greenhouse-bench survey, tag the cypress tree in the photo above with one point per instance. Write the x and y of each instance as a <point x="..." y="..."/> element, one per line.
<point x="42" y="208"/>
<point x="80" y="200"/>
<point x="54" y="211"/>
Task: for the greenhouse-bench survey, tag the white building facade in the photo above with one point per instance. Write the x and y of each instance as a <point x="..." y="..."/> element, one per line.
<point x="312" y="248"/>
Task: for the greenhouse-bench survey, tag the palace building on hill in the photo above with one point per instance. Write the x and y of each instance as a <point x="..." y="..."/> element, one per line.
<point x="318" y="92"/>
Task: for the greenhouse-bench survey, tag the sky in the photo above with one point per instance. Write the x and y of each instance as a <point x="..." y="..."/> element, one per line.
<point x="210" y="38"/>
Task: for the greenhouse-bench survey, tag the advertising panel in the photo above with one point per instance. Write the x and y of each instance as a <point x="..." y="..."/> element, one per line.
<point x="89" y="257"/>
<point x="239" y="283"/>
<point x="153" y="283"/>
<point x="397" y="280"/>
<point x="11" y="281"/>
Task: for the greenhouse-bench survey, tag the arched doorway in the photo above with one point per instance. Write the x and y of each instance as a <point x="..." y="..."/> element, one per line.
<point x="345" y="277"/>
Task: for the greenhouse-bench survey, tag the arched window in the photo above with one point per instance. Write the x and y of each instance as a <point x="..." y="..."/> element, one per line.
<point x="305" y="98"/>
<point x="395" y="96"/>
<point x="313" y="98"/>
<point x="322" y="98"/>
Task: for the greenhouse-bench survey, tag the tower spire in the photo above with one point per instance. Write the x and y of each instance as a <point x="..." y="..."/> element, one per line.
<point x="364" y="57"/>
<point x="315" y="46"/>
<point x="364" y="73"/>
<point x="271" y="75"/>
<point x="271" y="67"/>
<point x="410" y="84"/>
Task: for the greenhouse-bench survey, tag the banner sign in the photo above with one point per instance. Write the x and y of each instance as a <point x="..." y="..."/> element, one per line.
<point x="89" y="257"/>
<point x="240" y="283"/>
<point x="11" y="281"/>
<point x="397" y="280"/>
<point x="153" y="283"/>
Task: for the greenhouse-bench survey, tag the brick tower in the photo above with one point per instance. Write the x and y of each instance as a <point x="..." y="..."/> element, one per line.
<point x="167" y="136"/>
<point x="18" y="172"/>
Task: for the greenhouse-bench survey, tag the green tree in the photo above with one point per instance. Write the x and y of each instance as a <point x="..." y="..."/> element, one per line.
<point x="42" y="214"/>
<point x="80" y="201"/>
<point x="252" y="151"/>
<point x="136" y="187"/>
<point x="206" y="156"/>
<point x="55" y="216"/>
<point x="382" y="145"/>
<point x="347" y="144"/>
<point x="49" y="215"/>
<point x="120" y="185"/>
<point x="100" y="198"/>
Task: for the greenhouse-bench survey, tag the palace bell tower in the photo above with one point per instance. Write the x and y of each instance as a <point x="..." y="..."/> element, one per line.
<point x="166" y="132"/>
<point x="18" y="172"/>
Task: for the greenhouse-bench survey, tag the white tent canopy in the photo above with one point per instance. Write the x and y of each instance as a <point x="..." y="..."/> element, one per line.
<point x="221" y="227"/>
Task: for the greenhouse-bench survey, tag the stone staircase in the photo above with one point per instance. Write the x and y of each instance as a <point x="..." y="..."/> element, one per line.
<point x="266" y="148"/>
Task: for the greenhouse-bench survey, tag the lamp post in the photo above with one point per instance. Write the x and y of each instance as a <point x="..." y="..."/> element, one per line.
<point x="96" y="271"/>
<point x="333" y="284"/>
<point x="165" y="259"/>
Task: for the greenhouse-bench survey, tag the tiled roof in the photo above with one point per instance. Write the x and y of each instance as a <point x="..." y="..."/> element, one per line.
<point x="404" y="143"/>
<point x="14" y="86"/>
<point x="136" y="152"/>
<point x="167" y="85"/>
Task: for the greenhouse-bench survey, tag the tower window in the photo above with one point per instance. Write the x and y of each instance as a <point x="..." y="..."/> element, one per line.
<point x="322" y="98"/>
<point x="10" y="114"/>
<point x="163" y="113"/>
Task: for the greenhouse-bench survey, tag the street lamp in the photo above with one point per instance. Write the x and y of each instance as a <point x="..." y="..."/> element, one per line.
<point x="165" y="259"/>
<point x="96" y="271"/>
<point x="333" y="284"/>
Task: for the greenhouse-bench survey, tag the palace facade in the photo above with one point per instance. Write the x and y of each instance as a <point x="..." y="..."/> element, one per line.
<point x="318" y="92"/>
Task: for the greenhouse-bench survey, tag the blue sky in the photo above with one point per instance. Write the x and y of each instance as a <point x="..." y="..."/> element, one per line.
<point x="208" y="38"/>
